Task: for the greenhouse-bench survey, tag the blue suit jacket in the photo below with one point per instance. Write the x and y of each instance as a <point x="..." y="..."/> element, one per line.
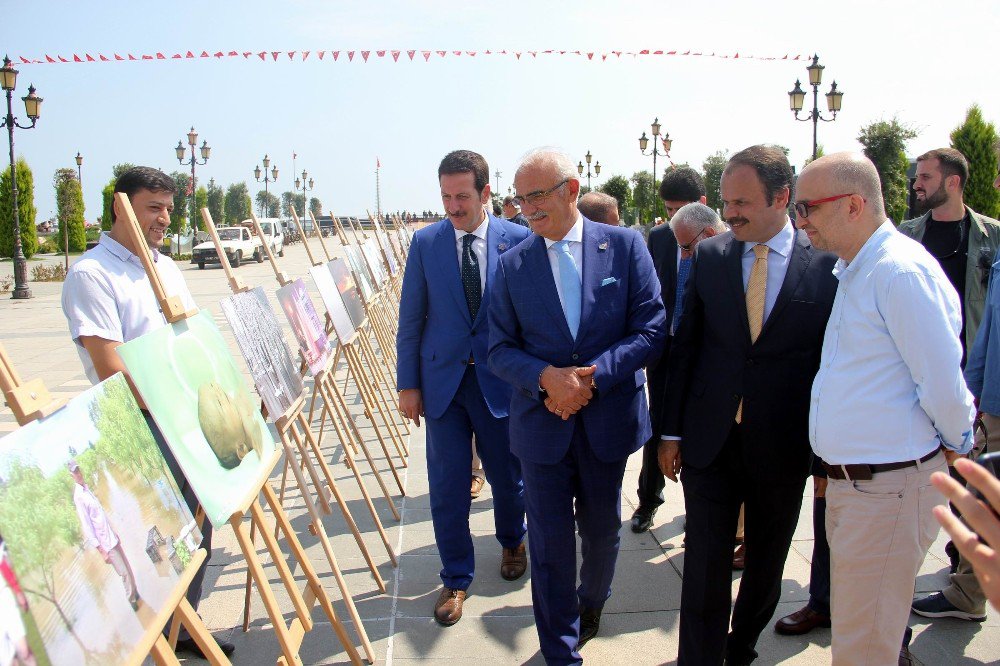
<point x="622" y="325"/>
<point x="436" y="335"/>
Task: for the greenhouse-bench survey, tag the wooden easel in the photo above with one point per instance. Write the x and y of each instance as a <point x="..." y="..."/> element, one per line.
<point x="289" y="635"/>
<point x="32" y="401"/>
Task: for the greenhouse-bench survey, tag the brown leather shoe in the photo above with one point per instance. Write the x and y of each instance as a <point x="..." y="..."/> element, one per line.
<point x="513" y="563"/>
<point x="801" y="622"/>
<point x="477" y="486"/>
<point x="739" y="558"/>
<point x="448" y="608"/>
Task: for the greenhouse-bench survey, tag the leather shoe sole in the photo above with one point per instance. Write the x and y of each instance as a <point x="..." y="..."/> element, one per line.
<point x="448" y="608"/>
<point x="476" y="487"/>
<point x="513" y="563"/>
<point x="642" y="520"/>
<point x="801" y="622"/>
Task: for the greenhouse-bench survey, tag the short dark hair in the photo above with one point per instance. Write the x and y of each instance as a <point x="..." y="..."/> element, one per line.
<point x="143" y="178"/>
<point x="771" y="165"/>
<point x="952" y="163"/>
<point x="682" y="184"/>
<point x="466" y="161"/>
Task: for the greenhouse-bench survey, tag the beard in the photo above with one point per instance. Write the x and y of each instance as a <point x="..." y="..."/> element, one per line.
<point x="931" y="201"/>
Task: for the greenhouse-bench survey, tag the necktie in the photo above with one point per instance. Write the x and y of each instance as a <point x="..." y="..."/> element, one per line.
<point x="569" y="280"/>
<point x="683" y="269"/>
<point x="756" y="287"/>
<point x="470" y="276"/>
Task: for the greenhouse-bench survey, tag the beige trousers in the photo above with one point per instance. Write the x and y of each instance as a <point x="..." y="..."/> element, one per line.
<point x="879" y="533"/>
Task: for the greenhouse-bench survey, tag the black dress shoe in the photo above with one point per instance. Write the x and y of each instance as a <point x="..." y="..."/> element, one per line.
<point x="642" y="519"/>
<point x="188" y="645"/>
<point x="590" y="622"/>
<point x="905" y="658"/>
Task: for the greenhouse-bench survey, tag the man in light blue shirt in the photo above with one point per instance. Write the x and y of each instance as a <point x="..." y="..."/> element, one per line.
<point x="888" y="397"/>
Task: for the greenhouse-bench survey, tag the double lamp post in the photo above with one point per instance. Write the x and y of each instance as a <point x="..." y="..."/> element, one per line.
<point x="206" y="151"/>
<point x="797" y="96"/>
<point x="274" y="176"/>
<point x="665" y="141"/>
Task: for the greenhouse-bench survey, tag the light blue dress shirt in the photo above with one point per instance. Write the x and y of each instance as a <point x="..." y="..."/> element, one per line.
<point x="982" y="369"/>
<point x="777" y="264"/>
<point x="890" y="387"/>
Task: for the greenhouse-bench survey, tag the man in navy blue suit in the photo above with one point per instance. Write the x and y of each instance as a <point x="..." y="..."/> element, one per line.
<point x="442" y="375"/>
<point x="575" y="315"/>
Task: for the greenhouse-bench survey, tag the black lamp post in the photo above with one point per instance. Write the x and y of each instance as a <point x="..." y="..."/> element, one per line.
<point x="307" y="185"/>
<point x="665" y="140"/>
<point x="796" y="98"/>
<point x="79" y="168"/>
<point x="597" y="168"/>
<point x="274" y="176"/>
<point x="497" y="174"/>
<point x="205" y="153"/>
<point x="32" y="107"/>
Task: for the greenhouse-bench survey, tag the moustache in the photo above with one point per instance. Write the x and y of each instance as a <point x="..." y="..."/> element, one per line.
<point x="536" y="216"/>
<point x="737" y="221"/>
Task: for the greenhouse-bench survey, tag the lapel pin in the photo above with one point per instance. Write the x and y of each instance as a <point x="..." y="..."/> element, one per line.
<point x="603" y="246"/>
<point x="502" y="246"/>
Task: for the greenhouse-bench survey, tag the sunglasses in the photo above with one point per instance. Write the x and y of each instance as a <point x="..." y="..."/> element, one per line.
<point x="802" y="208"/>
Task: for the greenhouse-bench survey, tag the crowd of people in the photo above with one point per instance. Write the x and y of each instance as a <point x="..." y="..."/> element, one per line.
<point x="800" y="333"/>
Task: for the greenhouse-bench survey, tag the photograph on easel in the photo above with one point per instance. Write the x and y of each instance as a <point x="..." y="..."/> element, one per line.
<point x="348" y="290"/>
<point x="371" y="253"/>
<point x="19" y="637"/>
<point x="334" y="303"/>
<point x="199" y="399"/>
<point x="383" y="240"/>
<point x="306" y="325"/>
<point x="94" y="525"/>
<point x="360" y="271"/>
<point x="263" y="346"/>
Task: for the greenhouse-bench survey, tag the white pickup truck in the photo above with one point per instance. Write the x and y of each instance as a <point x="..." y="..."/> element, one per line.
<point x="274" y="235"/>
<point x="238" y="244"/>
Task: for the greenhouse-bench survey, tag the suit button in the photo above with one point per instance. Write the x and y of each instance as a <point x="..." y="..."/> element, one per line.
<point x="575" y="356"/>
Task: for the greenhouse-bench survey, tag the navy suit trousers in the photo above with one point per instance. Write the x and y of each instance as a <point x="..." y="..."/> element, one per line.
<point x="449" y="461"/>
<point x="549" y="492"/>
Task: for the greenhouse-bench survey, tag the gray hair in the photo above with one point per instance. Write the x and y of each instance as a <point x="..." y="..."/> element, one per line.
<point x="549" y="157"/>
<point x="697" y="216"/>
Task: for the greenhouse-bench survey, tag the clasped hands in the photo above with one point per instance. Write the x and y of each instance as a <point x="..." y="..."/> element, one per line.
<point x="569" y="389"/>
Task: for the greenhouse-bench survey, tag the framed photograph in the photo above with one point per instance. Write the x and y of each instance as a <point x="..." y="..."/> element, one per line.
<point x="374" y="259"/>
<point x="342" y="324"/>
<point x="200" y="400"/>
<point x="390" y="258"/>
<point x="307" y="327"/>
<point x="360" y="270"/>
<point x="348" y="290"/>
<point x="94" y="530"/>
<point x="263" y="345"/>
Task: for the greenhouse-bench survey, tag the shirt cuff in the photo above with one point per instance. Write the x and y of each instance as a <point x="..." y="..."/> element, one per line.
<point x="670" y="438"/>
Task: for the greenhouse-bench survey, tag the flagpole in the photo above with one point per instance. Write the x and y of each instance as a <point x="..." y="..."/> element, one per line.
<point x="378" y="192"/>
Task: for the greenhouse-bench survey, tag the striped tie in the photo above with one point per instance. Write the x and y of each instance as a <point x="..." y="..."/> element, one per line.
<point x="756" y="288"/>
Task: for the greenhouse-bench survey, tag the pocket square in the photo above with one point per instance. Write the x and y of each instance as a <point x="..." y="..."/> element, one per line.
<point x="608" y="280"/>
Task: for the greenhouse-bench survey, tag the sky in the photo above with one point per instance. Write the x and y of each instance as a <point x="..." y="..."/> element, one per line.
<point x="923" y="62"/>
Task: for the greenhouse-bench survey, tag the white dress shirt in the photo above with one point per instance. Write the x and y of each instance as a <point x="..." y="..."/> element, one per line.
<point x="780" y="245"/>
<point x="575" y="238"/>
<point x="107" y="294"/>
<point x="97" y="530"/>
<point x="889" y="387"/>
<point x="478" y="247"/>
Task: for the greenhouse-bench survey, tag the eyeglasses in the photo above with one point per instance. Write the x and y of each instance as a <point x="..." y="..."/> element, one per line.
<point x="802" y="207"/>
<point x="690" y="246"/>
<point x="535" y="198"/>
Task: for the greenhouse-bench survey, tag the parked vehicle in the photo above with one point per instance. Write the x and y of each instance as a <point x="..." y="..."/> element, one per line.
<point x="274" y="235"/>
<point x="237" y="243"/>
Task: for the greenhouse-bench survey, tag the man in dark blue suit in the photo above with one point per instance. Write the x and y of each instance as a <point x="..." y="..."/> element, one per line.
<point x="575" y="315"/>
<point x="442" y="375"/>
<point x="740" y="374"/>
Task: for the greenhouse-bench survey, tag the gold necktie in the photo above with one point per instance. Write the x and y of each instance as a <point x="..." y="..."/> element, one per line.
<point x="756" y="288"/>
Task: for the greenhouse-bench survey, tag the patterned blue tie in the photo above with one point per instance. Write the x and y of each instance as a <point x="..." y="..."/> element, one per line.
<point x="683" y="269"/>
<point x="569" y="280"/>
<point x="470" y="276"/>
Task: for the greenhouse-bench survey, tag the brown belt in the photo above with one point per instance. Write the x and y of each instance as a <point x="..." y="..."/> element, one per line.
<point x="864" y="472"/>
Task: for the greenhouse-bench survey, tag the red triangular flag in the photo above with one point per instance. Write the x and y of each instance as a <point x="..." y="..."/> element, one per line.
<point x="176" y="56"/>
<point x="458" y="53"/>
<point x="147" y="57"/>
<point x="246" y="54"/>
<point x="395" y="56"/>
<point x="104" y="58"/>
<point x="160" y="56"/>
<point x="321" y="54"/>
<point x="671" y="52"/>
<point x="90" y="58"/>
<point x="204" y="54"/>
<point x="274" y="55"/>
<point x="590" y="55"/>
<point x="427" y="55"/>
<point x="604" y="56"/>
<point x="305" y="54"/>
<point x="189" y="55"/>
<point x="441" y="53"/>
<point x="686" y="53"/>
<point x="471" y="54"/>
<point x="488" y="52"/>
<point x="534" y="54"/>
<point x="364" y="55"/>
<point x="378" y="163"/>
<point x="132" y="57"/>
<point x="410" y="53"/>
<point x="518" y="54"/>
<point x="76" y="58"/>
<point x="49" y="58"/>
<point x="350" y="56"/>
<point x="657" y="52"/>
<point x="291" y="54"/>
<point x="644" y="52"/>
<point x="380" y="54"/>
<point x="233" y="53"/>
<point x="336" y="54"/>
<point x="262" y="55"/>
<point x="219" y="54"/>
<point x="117" y="57"/>
<point x="618" y="54"/>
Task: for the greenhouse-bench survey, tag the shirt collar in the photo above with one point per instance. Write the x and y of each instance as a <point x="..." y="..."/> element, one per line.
<point x="478" y="232"/>
<point x="119" y="250"/>
<point x="780" y="242"/>
<point x="574" y="235"/>
<point x="842" y="267"/>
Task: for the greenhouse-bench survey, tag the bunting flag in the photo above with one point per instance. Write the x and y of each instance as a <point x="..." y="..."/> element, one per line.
<point x="302" y="56"/>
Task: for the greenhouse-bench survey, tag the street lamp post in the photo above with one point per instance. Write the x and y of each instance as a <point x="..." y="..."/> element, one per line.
<point x="206" y="151"/>
<point x="79" y="168"/>
<point x="307" y="185"/>
<point x="796" y="98"/>
<point x="497" y="175"/>
<point x="274" y="176"/>
<point x="665" y="140"/>
<point x="32" y="107"/>
<point x="597" y="168"/>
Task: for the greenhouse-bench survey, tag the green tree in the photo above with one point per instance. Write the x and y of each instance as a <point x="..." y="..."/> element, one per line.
<point x="70" y="210"/>
<point x="644" y="195"/>
<point x="884" y="144"/>
<point x="237" y="206"/>
<point x="316" y="206"/>
<point x="713" y="166"/>
<point x="289" y="199"/>
<point x="216" y="203"/>
<point x="619" y="188"/>
<point x="118" y="169"/>
<point x="108" y="193"/>
<point x="125" y="440"/>
<point x="267" y="204"/>
<point x="976" y="139"/>
<point x="181" y="199"/>
<point x="200" y="201"/>
<point x="26" y="210"/>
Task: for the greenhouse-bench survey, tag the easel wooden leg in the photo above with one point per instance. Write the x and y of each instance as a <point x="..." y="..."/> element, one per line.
<point x="380" y="403"/>
<point x="198" y="631"/>
<point x="162" y="654"/>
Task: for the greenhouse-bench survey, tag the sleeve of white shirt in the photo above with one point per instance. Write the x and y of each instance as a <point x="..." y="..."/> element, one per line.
<point x="91" y="307"/>
<point x="88" y="530"/>
<point x="924" y="320"/>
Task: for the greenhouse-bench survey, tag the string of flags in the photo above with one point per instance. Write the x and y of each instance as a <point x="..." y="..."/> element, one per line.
<point x="395" y="54"/>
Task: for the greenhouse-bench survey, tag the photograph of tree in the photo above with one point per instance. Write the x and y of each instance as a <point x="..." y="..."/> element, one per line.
<point x="94" y="526"/>
<point x="334" y="303"/>
<point x="306" y="324"/>
<point x="200" y="401"/>
<point x="348" y="290"/>
<point x="264" y="349"/>
<point x="361" y="275"/>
